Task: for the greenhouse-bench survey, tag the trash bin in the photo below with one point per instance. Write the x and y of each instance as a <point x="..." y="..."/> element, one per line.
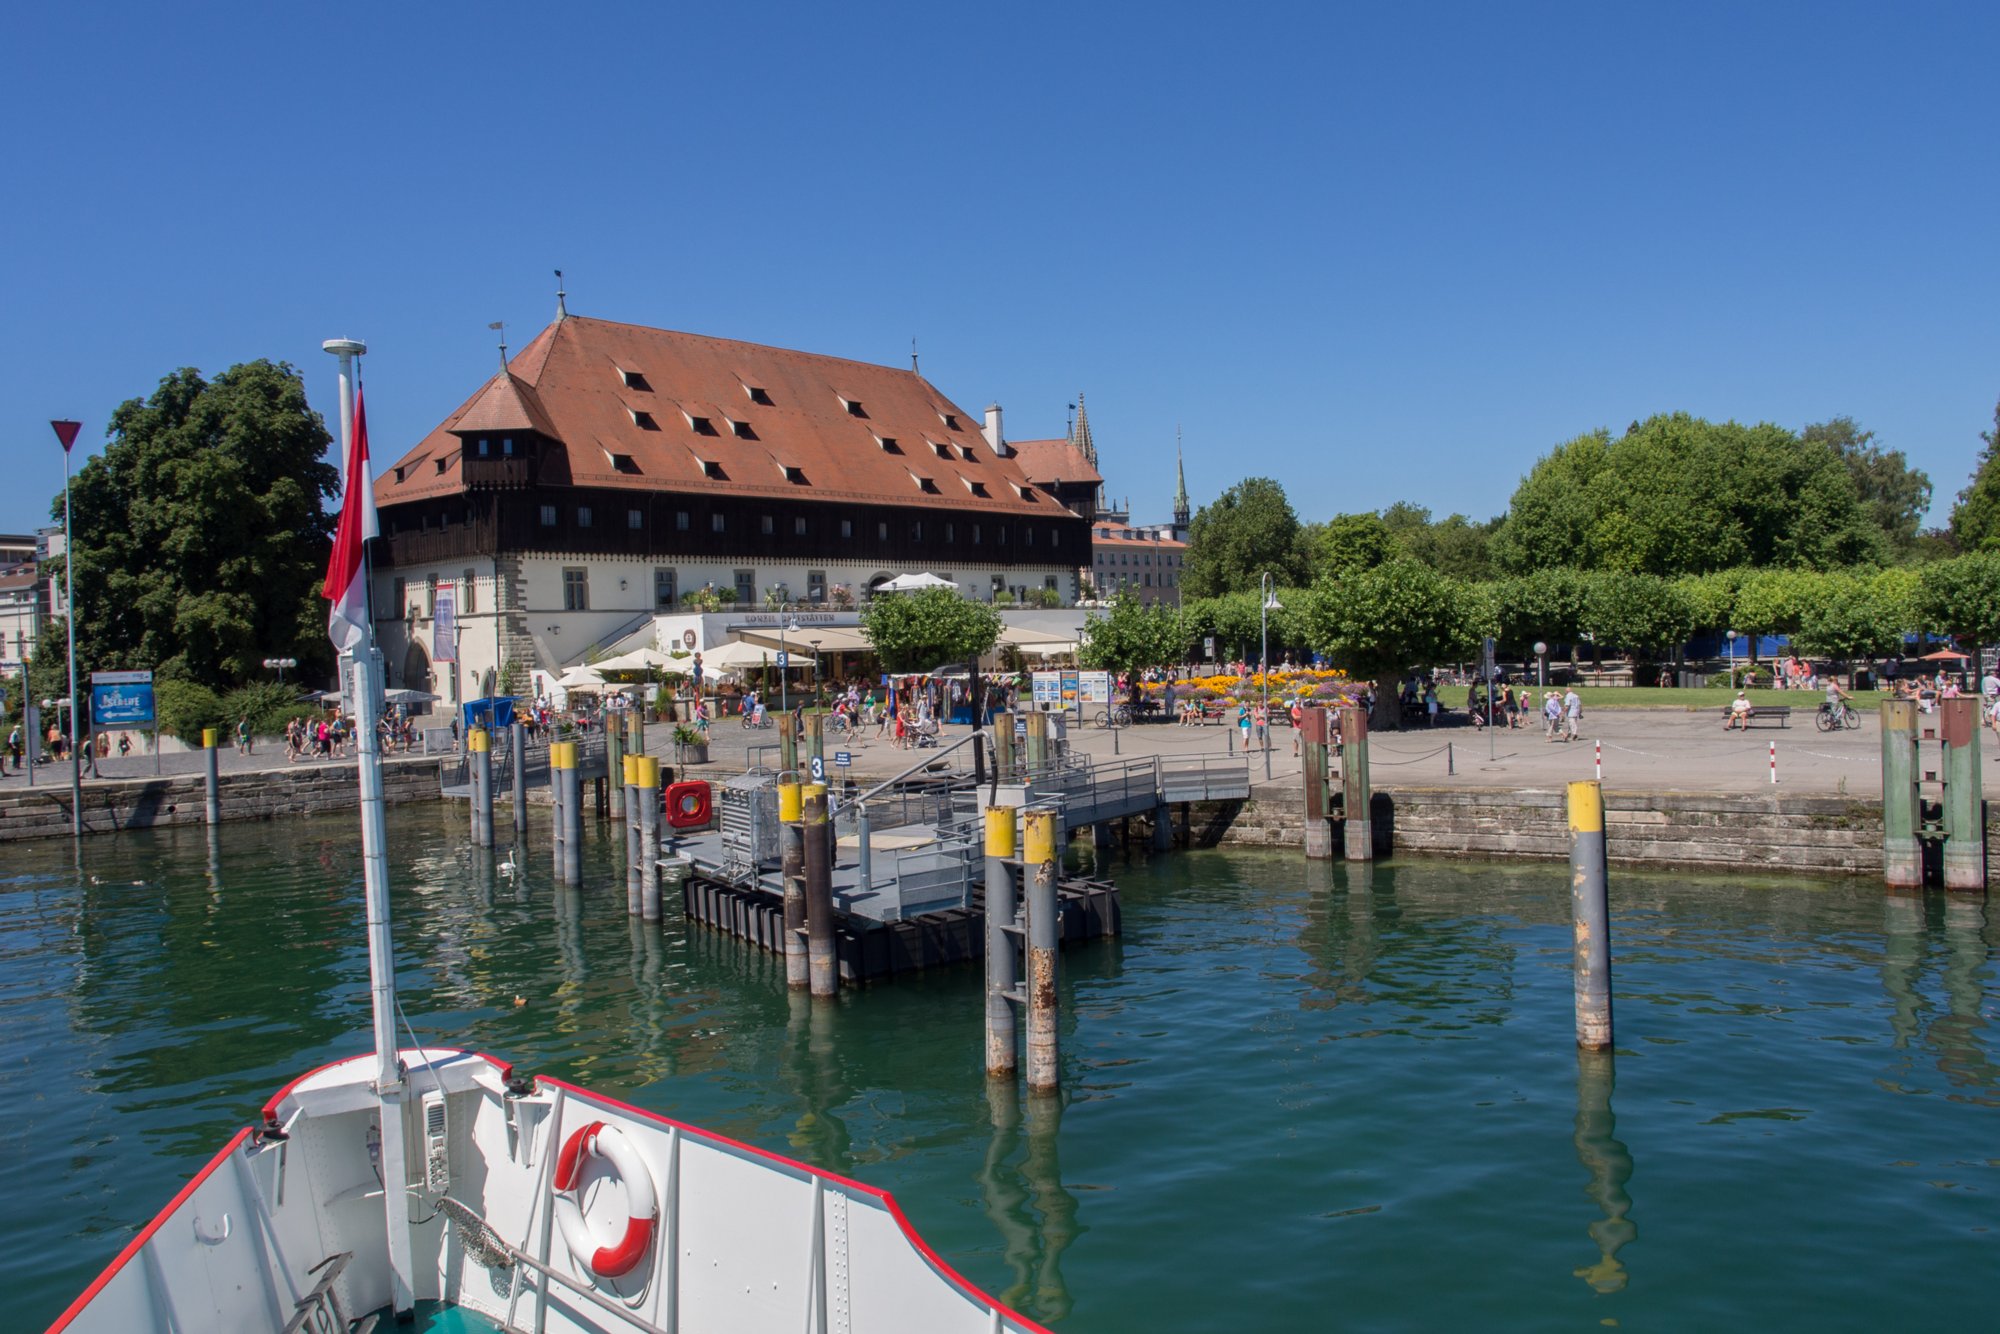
<point x="1864" y="679"/>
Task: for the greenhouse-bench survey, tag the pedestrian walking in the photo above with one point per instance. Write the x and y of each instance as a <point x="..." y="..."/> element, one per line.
<point x="1572" y="714"/>
<point x="1552" y="712"/>
<point x="243" y="735"/>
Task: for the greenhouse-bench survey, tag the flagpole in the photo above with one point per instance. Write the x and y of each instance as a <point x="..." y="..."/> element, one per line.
<point x="360" y="670"/>
<point x="66" y="432"/>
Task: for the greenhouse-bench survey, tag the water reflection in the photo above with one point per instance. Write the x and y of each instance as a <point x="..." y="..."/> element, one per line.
<point x="1609" y="1163"/>
<point x="1027" y="1204"/>
<point x="813" y="1071"/>
<point x="1959" y="1034"/>
<point x="1951" y="933"/>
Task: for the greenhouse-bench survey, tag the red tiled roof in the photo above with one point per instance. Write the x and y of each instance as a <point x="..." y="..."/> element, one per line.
<point x="1049" y="461"/>
<point x="570" y="385"/>
<point x="1117" y="533"/>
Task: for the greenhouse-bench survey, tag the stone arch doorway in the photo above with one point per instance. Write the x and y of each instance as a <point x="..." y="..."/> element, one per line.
<point x="416" y="668"/>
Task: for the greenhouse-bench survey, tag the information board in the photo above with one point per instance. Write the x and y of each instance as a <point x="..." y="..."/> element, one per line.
<point x="1096" y="687"/>
<point x="1048" y="688"/>
<point x="121" y="699"/>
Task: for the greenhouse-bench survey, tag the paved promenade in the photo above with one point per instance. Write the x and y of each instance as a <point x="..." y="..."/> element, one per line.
<point x="1644" y="749"/>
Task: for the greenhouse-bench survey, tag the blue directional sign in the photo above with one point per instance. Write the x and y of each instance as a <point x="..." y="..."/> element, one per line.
<point x="818" y="769"/>
<point x="784" y="661"/>
<point x="121" y="699"/>
<point x="843" y="758"/>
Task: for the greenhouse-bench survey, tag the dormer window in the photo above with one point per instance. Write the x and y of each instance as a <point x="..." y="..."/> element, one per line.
<point x="796" y="476"/>
<point x="851" y="406"/>
<point x="699" y="425"/>
<point x="950" y="420"/>
<point x="1025" y="492"/>
<point x="441" y="464"/>
<point x="635" y="380"/>
<point x="624" y="463"/>
<point x="976" y="488"/>
<point x="761" y="397"/>
<point x="888" y="443"/>
<point x="942" y="451"/>
<point x="741" y="430"/>
<point x="968" y="453"/>
<point x="710" y="468"/>
<point x="643" y="420"/>
<point x="926" y="485"/>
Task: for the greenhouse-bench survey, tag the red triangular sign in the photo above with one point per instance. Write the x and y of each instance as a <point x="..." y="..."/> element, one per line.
<point x="66" y="432"/>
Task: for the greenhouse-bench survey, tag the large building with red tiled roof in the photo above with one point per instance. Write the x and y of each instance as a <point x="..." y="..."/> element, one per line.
<point x="610" y="470"/>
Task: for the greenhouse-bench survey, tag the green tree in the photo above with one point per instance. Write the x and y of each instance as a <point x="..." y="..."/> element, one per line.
<point x="1548" y="522"/>
<point x="1386" y="621"/>
<point x="1454" y="545"/>
<point x="1134" y="636"/>
<point x="1544" y="607"/>
<point x="916" y="632"/>
<point x="1856" y="618"/>
<point x="1249" y="531"/>
<point x="1346" y="544"/>
<point x="1642" y="614"/>
<point x="1961" y="597"/>
<point x="1975" y="519"/>
<point x="201" y="530"/>
<point x="1895" y="494"/>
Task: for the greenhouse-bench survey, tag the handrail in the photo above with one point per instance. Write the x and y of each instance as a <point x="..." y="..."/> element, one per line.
<point x="922" y="764"/>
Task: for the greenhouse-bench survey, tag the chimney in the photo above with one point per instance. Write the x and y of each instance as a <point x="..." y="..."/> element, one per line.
<point x="994" y="438"/>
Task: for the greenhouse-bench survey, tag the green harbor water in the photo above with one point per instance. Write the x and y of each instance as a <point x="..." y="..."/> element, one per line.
<point x="1297" y="1098"/>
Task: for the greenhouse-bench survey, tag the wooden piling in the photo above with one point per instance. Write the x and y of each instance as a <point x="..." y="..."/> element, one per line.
<point x="1964" y="795"/>
<point x="647" y="772"/>
<point x="627" y="804"/>
<point x="517" y="749"/>
<point x="1902" y="853"/>
<point x="815" y="741"/>
<point x="792" y="844"/>
<point x="1163" y="828"/>
<point x="1003" y="747"/>
<point x="1359" y="828"/>
<point x="1590" y="911"/>
<point x="823" y="968"/>
<point x="1044" y="930"/>
<point x="1313" y="747"/>
<point x="788" y="744"/>
<point x="1002" y="929"/>
<point x="479" y="761"/>
<point x="211" y="770"/>
<point x="1037" y="756"/>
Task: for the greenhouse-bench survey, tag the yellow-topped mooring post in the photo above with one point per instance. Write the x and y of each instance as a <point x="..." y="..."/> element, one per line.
<point x="479" y="757"/>
<point x="1002" y="930"/>
<point x="1902" y="852"/>
<point x="792" y="864"/>
<point x="1589" y="895"/>
<point x="566" y="782"/>
<point x="211" y="769"/>
<point x="646" y="773"/>
<point x="1044" y="939"/>
<point x="627" y="804"/>
<point x="822" y="966"/>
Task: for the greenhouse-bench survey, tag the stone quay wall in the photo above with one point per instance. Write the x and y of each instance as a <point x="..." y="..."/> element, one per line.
<point x="145" y="803"/>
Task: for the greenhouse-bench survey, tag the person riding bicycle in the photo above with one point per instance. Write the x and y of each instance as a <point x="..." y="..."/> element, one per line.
<point x="1835" y="708"/>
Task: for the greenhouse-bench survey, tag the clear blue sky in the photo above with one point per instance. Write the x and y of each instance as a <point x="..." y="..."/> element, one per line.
<point x="1381" y="252"/>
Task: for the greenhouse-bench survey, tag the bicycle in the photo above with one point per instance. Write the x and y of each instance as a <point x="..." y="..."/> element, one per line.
<point x="1829" y="721"/>
<point x="1117" y="715"/>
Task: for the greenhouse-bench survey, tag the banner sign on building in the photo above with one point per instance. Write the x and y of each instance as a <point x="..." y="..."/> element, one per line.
<point x="444" y="627"/>
<point x="121" y="699"/>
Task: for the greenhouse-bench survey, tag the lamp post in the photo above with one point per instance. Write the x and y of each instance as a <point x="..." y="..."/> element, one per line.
<point x="1541" y="664"/>
<point x="66" y="433"/>
<point x="1081" y="631"/>
<point x="1268" y="586"/>
<point x="1730" y="635"/>
<point x="279" y="665"/>
<point x="785" y="623"/>
<point x="816" y="691"/>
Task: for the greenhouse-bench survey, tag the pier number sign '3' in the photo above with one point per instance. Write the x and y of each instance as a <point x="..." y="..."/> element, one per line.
<point x="818" y="769"/>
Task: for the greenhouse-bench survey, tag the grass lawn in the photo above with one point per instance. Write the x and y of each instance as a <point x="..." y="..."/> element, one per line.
<point x="1712" y="698"/>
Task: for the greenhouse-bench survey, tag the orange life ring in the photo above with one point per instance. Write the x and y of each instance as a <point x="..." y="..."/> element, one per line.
<point x="607" y="1257"/>
<point x="688" y="804"/>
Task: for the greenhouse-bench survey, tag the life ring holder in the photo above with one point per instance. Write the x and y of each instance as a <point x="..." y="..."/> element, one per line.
<point x="610" y="1252"/>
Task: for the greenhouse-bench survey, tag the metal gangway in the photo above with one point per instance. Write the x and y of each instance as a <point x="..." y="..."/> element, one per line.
<point x="455" y="770"/>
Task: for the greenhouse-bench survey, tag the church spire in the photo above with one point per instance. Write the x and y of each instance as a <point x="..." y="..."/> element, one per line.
<point x="1079" y="434"/>
<point x="1181" y="513"/>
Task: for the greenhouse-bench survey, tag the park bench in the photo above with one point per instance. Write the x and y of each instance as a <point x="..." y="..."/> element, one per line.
<point x="1779" y="715"/>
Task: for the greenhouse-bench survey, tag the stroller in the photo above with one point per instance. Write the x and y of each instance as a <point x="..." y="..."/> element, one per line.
<point x="924" y="733"/>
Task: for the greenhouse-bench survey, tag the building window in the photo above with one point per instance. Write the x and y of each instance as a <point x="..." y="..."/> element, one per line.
<point x="583" y="516"/>
<point x="1049" y="581"/>
<point x="399" y="599"/>
<point x="636" y="380"/>
<point x="975" y="534"/>
<point x="746" y="587"/>
<point x="1027" y="537"/>
<point x="468" y="600"/>
<point x="798" y="525"/>
<point x="1000" y="535"/>
<point x="484" y="447"/>
<point x="916" y="530"/>
<point x="634" y="519"/>
<point x="643" y="420"/>
<point x="431" y="596"/>
<point x="769" y="525"/>
<point x="507" y="445"/>
<point x="950" y="532"/>
<point x="847" y="528"/>
<point x="760" y="396"/>
<point x="548" y="516"/>
<point x="815" y="585"/>
<point x="680" y="521"/>
<point x="576" y="590"/>
<point x="716" y="524"/>
<point x="882" y="531"/>
<point x="1055" y="537"/>
<point x="663" y="589"/>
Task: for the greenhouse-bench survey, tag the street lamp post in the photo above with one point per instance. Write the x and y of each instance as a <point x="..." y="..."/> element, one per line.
<point x="1268" y="586"/>
<point x="815" y="681"/>
<point x="1081" y="631"/>
<point x="279" y="665"/>
<point x="785" y="662"/>
<point x="1541" y="664"/>
<point x="66" y="432"/>
<point x="1730" y="635"/>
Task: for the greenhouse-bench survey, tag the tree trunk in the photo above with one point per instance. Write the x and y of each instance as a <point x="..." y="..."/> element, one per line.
<point x="1387" y="715"/>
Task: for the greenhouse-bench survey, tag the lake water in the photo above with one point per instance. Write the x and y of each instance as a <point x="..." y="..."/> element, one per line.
<point x="1297" y="1098"/>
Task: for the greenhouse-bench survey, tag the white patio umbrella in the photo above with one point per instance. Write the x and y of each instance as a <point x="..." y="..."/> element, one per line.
<point x="734" y="656"/>
<point x="638" y="660"/>
<point x="580" y="677"/>
<point x="912" y="583"/>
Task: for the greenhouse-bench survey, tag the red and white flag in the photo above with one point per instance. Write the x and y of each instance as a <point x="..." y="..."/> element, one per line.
<point x="346" y="578"/>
